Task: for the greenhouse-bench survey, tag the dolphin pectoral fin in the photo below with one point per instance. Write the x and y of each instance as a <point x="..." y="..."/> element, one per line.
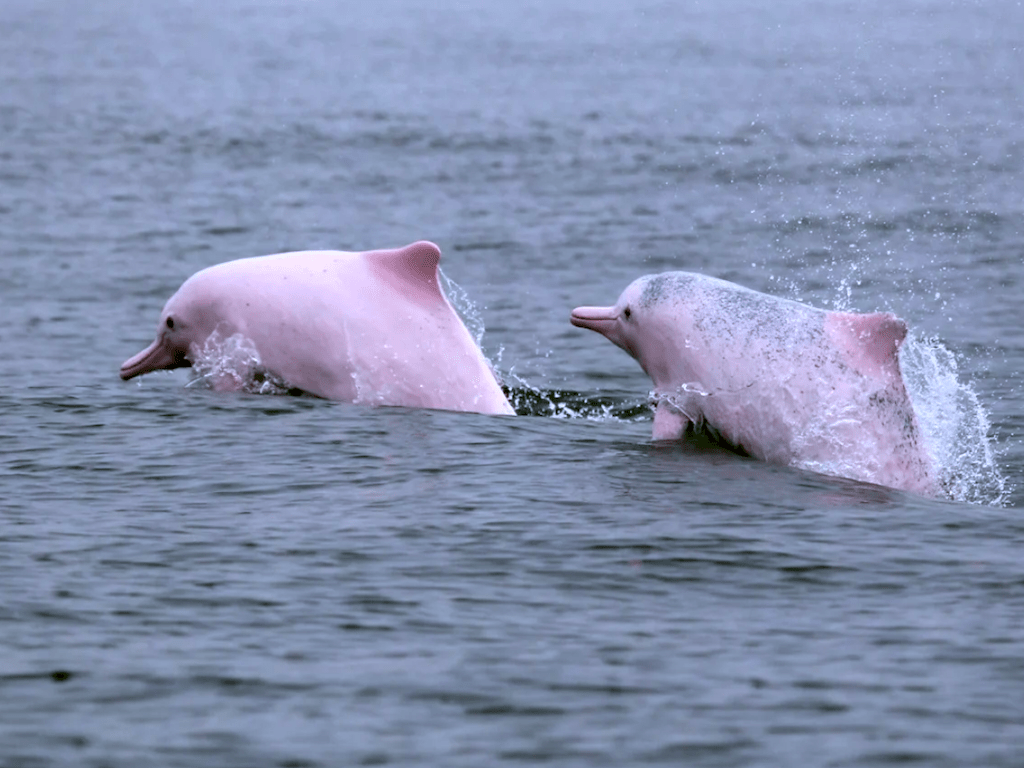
<point x="155" y="357"/>
<point x="669" y="422"/>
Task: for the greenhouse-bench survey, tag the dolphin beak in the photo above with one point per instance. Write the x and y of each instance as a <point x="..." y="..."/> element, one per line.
<point x="600" y="319"/>
<point x="153" y="358"/>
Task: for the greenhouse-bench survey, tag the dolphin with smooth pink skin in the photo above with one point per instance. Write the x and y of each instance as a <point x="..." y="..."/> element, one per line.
<point x="782" y="381"/>
<point x="372" y="328"/>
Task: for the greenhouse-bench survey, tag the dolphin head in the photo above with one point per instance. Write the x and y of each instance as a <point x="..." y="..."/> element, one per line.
<point x="637" y="322"/>
<point x="622" y="323"/>
<point x="187" y="320"/>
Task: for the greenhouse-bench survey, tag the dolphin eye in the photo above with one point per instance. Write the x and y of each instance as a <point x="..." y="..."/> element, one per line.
<point x="626" y="313"/>
<point x="170" y="322"/>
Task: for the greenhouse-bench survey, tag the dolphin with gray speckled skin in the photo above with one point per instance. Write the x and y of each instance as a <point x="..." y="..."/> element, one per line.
<point x="783" y="381"/>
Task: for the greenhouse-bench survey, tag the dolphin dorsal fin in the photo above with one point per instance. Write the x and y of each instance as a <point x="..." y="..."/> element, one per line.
<point x="871" y="341"/>
<point x="414" y="266"/>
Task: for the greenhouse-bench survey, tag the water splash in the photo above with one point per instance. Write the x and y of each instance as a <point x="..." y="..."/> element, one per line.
<point x="233" y="363"/>
<point x="528" y="400"/>
<point x="464" y="307"/>
<point x="954" y="424"/>
<point x="473" y="319"/>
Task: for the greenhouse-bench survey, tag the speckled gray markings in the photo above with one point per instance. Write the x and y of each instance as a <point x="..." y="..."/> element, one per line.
<point x="781" y="380"/>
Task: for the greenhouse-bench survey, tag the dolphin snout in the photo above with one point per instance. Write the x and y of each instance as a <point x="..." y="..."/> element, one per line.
<point x="598" y="319"/>
<point x="153" y="358"/>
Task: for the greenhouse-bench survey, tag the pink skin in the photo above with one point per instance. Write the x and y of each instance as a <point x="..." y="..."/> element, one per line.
<point x="371" y="327"/>
<point x="786" y="382"/>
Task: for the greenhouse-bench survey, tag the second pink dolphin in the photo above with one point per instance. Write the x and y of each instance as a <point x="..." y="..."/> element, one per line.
<point x="783" y="381"/>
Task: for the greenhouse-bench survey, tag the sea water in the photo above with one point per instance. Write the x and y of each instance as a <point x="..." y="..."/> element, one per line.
<point x="195" y="578"/>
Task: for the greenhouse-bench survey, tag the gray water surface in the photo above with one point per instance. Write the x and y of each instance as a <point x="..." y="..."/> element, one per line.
<point x="192" y="578"/>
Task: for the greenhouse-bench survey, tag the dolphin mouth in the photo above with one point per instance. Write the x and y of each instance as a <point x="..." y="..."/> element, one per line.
<point x="155" y="357"/>
<point x="598" y="319"/>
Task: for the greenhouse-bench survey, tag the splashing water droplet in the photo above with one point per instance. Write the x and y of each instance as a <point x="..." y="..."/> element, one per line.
<point x="954" y="424"/>
<point x="234" y="363"/>
<point x="464" y="307"/>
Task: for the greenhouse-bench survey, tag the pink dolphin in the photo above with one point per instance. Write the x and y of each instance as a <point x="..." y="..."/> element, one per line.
<point x="785" y="382"/>
<point x="369" y="327"/>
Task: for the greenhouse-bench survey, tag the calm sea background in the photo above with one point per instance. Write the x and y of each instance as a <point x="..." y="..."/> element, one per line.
<point x="190" y="578"/>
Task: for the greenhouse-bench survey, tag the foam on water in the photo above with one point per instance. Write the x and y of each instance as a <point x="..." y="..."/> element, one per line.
<point x="530" y="400"/>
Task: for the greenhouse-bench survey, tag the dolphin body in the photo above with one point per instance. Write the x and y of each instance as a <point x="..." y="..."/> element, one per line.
<point x="372" y="327"/>
<point x="782" y="381"/>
